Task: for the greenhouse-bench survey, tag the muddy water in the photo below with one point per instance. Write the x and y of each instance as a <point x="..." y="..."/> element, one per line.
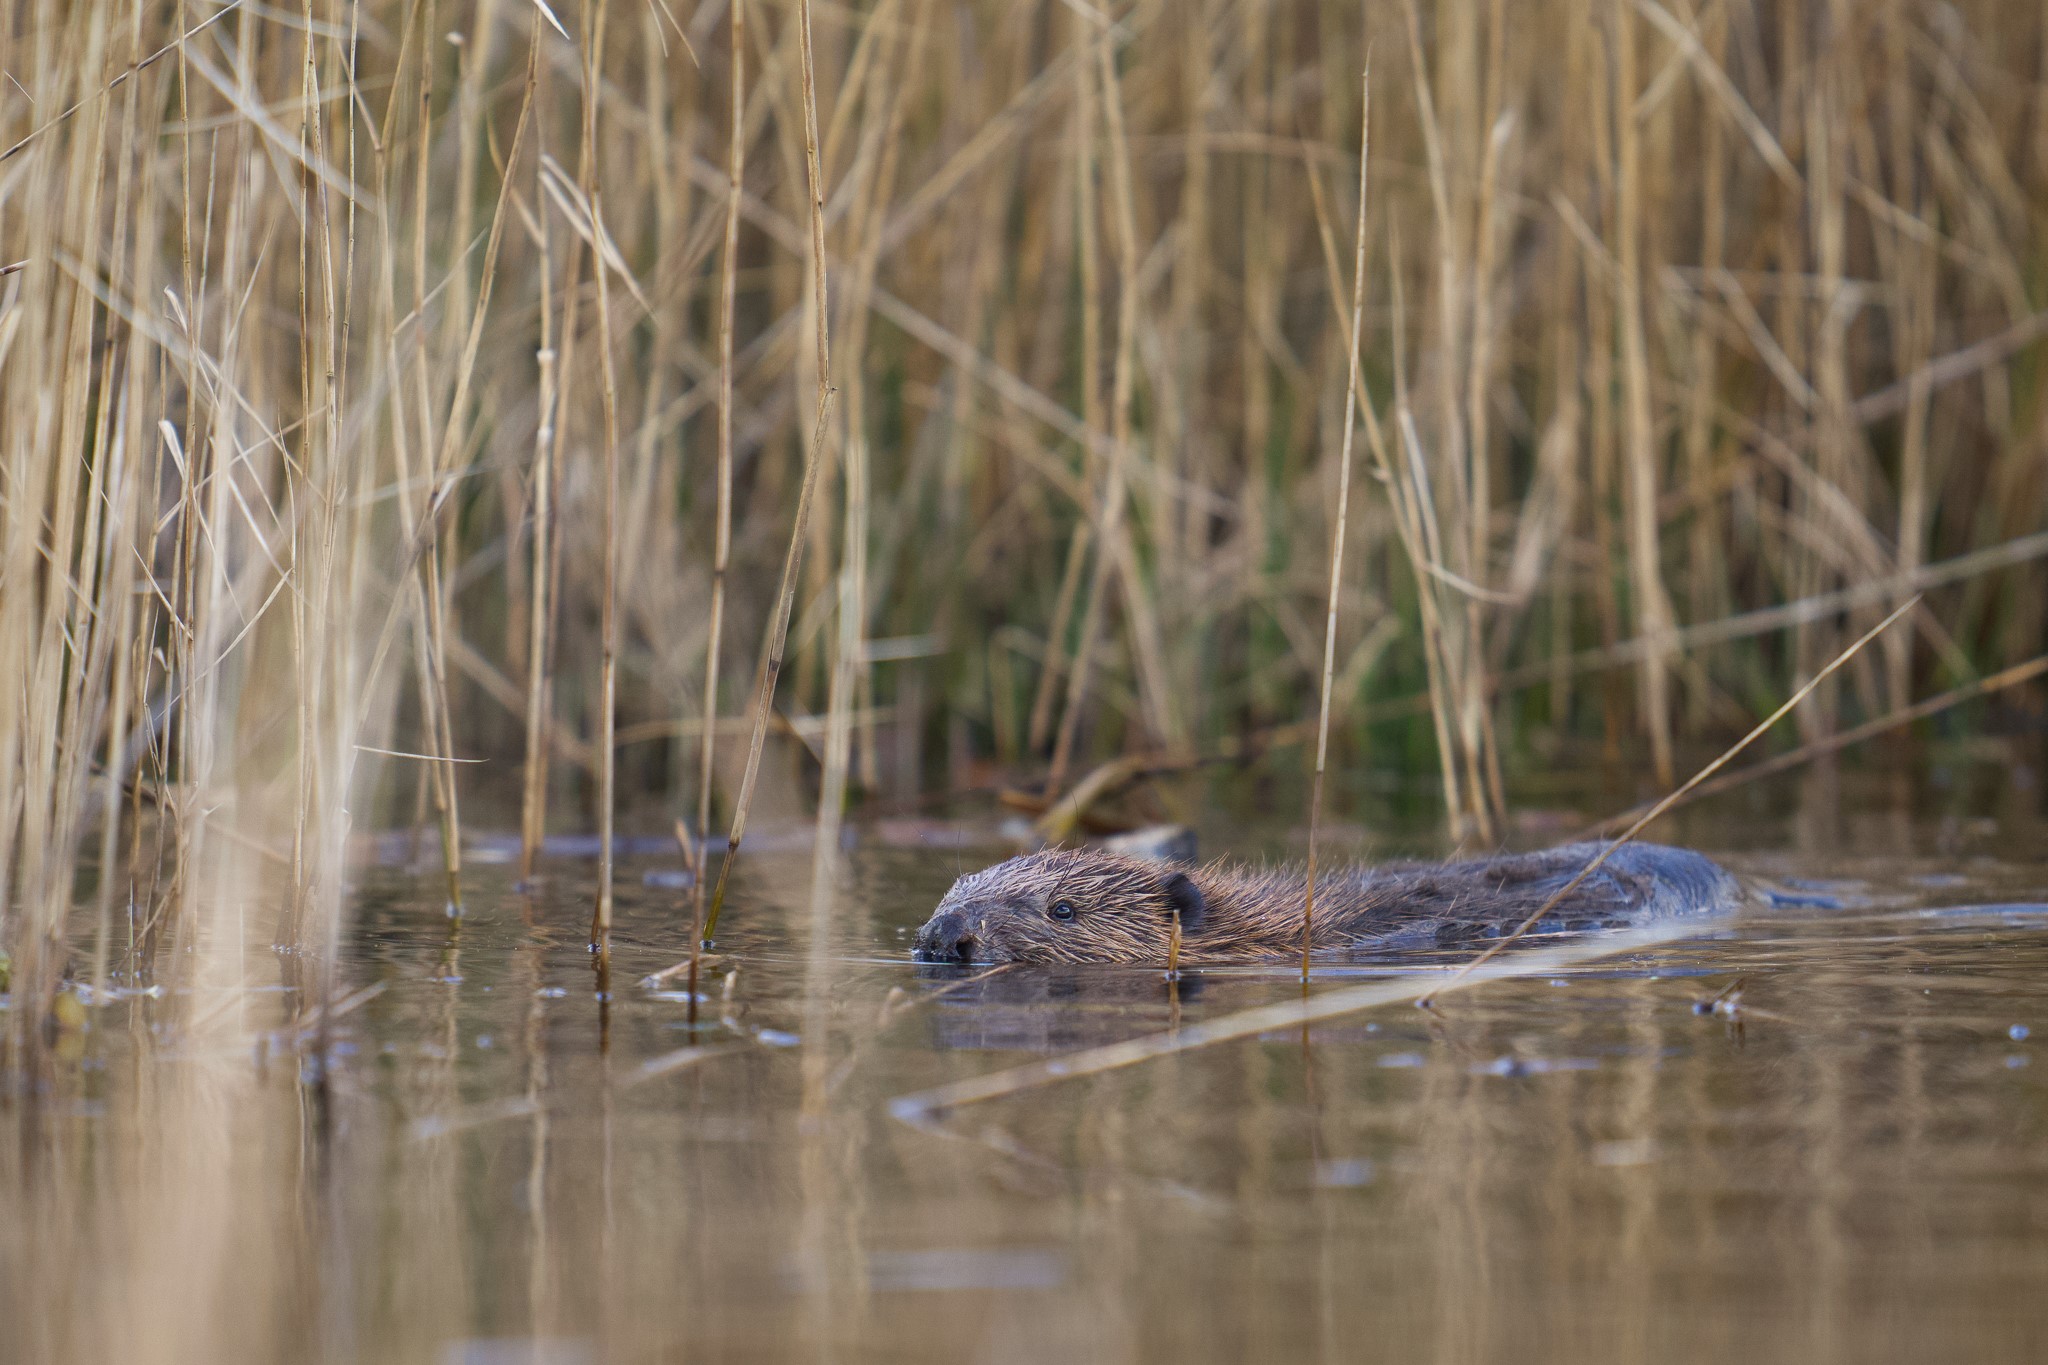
<point x="1851" y="1164"/>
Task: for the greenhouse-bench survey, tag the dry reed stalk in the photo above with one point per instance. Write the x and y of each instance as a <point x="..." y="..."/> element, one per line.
<point x="1147" y="646"/>
<point x="1912" y="259"/>
<point x="1409" y="505"/>
<point x="1257" y="304"/>
<point x="114" y="458"/>
<point x="608" y="657"/>
<point x="558" y="366"/>
<point x="872" y="177"/>
<point x="845" y="653"/>
<point x="778" y="626"/>
<point x="1452" y="629"/>
<point x="1088" y="253"/>
<point x="925" y="1108"/>
<point x="1643" y="821"/>
<point x="1375" y="441"/>
<point x="421" y="527"/>
<point x="1842" y="739"/>
<point x="865" y="184"/>
<point x="540" y="617"/>
<point x="721" y="545"/>
<point x="1651" y="603"/>
<point x="1496" y="182"/>
<point x="1343" y="523"/>
<point x="1184" y="432"/>
<point x="1791" y="615"/>
<point x="1440" y="628"/>
<point x="1835" y="439"/>
<point x="202" y="574"/>
<point x="303" y="757"/>
<point x="430" y="529"/>
<point x="184" y="33"/>
<point x="1707" y="569"/>
<point x="1114" y="551"/>
<point x="432" y="631"/>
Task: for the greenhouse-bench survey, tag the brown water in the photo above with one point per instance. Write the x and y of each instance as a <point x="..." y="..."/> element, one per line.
<point x="1570" y="1166"/>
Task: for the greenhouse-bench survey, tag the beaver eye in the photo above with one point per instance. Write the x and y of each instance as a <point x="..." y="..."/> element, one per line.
<point x="1062" y="909"/>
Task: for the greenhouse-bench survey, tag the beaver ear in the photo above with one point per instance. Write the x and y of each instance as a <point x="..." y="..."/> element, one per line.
<point x="1184" y="897"/>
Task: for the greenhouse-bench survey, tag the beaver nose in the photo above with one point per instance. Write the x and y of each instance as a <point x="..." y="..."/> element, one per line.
<point x="945" y="938"/>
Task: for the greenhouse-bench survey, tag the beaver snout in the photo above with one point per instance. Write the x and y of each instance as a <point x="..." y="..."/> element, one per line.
<point x="946" y="937"/>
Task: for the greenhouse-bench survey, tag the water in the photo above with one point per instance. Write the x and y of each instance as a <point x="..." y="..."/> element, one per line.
<point x="1847" y="1159"/>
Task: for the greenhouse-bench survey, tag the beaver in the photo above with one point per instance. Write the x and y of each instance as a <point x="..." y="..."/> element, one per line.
<point x="1072" y="906"/>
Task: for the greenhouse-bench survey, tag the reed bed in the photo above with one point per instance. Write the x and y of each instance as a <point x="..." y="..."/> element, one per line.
<point x="397" y="395"/>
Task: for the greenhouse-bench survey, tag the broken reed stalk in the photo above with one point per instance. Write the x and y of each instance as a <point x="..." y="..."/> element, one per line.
<point x="1835" y="743"/>
<point x="608" y="665"/>
<point x="1351" y="387"/>
<point x="721" y="544"/>
<point x="176" y="45"/>
<point x="1675" y="797"/>
<point x="926" y="1107"/>
<point x="778" y="626"/>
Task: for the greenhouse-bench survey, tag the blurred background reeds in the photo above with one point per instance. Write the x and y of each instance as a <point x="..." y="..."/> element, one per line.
<point x="368" y="368"/>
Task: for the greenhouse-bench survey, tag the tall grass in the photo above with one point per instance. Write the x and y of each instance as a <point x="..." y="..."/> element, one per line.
<point x="348" y="432"/>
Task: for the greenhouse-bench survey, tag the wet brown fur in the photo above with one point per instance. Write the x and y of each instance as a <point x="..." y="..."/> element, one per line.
<point x="1123" y="908"/>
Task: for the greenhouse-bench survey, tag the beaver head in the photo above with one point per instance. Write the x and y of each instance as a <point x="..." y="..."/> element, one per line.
<point x="1062" y="906"/>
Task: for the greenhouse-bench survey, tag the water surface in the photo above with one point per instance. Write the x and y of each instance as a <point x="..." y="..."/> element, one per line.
<point x="1591" y="1162"/>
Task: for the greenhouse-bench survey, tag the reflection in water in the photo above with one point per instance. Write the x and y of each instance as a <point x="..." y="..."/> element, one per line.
<point x="1849" y="1163"/>
<point x="1048" y="1009"/>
